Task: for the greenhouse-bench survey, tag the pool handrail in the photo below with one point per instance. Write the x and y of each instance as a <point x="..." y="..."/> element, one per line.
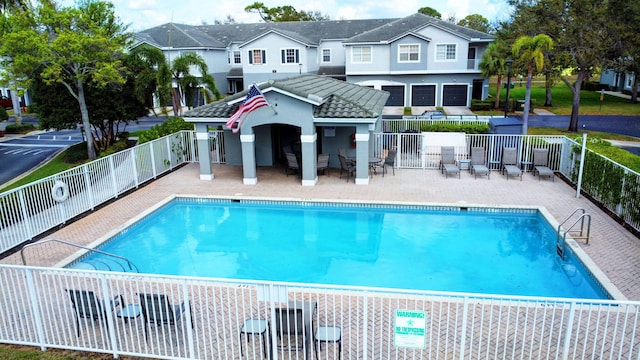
<point x="132" y="266"/>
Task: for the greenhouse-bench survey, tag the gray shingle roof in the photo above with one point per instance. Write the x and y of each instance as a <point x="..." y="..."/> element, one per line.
<point x="340" y="99"/>
<point x="413" y="23"/>
<point x="221" y="35"/>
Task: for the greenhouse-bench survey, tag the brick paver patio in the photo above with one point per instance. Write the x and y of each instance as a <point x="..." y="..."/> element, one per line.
<point x="614" y="249"/>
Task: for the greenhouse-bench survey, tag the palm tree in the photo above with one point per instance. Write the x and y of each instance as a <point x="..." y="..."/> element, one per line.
<point x="493" y="63"/>
<point x="159" y="77"/>
<point x="186" y="84"/>
<point x="531" y="54"/>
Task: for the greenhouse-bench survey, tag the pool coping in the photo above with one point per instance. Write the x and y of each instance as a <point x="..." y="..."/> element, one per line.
<point x="590" y="266"/>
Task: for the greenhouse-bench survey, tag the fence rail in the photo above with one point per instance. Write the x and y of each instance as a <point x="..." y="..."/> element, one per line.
<point x="38" y="311"/>
<point x="32" y="209"/>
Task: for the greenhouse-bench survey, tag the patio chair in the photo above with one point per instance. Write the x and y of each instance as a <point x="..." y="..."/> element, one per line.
<point x="541" y="164"/>
<point x="323" y="164"/>
<point x="346" y="167"/>
<point x="478" y="165"/>
<point x="88" y="306"/>
<point x="510" y="162"/>
<point x="448" y="161"/>
<point x="156" y="309"/>
<point x="390" y="160"/>
<point x="292" y="163"/>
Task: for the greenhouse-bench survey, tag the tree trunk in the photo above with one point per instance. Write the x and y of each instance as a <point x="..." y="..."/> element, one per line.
<point x="84" y="112"/>
<point x="634" y="90"/>
<point x="548" y="86"/>
<point x="575" y="107"/>
<point x="527" y="100"/>
<point x="497" y="104"/>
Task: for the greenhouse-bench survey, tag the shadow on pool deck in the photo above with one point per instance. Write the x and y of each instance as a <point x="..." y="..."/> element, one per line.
<point x="614" y="249"/>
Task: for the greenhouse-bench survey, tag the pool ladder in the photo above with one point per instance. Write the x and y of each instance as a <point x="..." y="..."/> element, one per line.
<point x="576" y="233"/>
<point x="130" y="265"/>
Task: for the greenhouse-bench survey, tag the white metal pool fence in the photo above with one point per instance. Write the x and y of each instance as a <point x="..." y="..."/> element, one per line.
<point x="30" y="210"/>
<point x="37" y="310"/>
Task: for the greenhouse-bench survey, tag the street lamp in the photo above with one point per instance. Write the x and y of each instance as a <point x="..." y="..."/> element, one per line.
<point x="506" y="102"/>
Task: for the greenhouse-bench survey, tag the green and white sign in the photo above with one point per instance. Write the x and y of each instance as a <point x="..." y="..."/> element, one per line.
<point x="409" y="328"/>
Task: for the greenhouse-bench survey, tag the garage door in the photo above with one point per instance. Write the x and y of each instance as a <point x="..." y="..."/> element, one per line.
<point x="423" y="95"/>
<point x="454" y="95"/>
<point x="397" y="95"/>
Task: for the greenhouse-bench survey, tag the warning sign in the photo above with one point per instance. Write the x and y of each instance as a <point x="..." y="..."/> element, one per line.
<point x="410" y="329"/>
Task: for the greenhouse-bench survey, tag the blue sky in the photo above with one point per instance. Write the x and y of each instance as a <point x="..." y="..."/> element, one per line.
<point x="143" y="14"/>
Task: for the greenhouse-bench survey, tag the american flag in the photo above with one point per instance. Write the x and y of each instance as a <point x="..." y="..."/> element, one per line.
<point x="254" y="100"/>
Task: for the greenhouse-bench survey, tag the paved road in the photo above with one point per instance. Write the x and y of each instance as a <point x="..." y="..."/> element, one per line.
<point x="20" y="155"/>
<point x="624" y="125"/>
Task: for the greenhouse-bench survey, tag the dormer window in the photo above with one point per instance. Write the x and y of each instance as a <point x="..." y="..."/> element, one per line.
<point x="409" y="53"/>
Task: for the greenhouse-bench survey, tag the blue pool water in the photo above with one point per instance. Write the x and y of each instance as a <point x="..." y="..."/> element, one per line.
<point x="492" y="251"/>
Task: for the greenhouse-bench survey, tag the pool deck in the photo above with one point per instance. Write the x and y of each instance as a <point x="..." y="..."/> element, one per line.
<point x="615" y="250"/>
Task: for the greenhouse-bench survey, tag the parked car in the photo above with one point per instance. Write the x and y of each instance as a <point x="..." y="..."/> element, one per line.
<point x="432" y="115"/>
<point x="6" y="102"/>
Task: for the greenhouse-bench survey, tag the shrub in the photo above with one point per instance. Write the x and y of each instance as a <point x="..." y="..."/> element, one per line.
<point x="465" y="128"/>
<point x="76" y="154"/>
<point x="481" y="105"/>
<point x="19" y="129"/>
<point x="3" y="114"/>
<point x="594" y="86"/>
<point x="170" y="126"/>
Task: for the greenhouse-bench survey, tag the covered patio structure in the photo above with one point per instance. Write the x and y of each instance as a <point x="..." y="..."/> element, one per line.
<point x="307" y="114"/>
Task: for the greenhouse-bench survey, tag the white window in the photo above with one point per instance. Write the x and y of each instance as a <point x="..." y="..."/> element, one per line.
<point x="445" y="52"/>
<point x="409" y="53"/>
<point x="326" y="55"/>
<point x="236" y="57"/>
<point x="290" y="56"/>
<point x="361" y="54"/>
<point x="257" y="57"/>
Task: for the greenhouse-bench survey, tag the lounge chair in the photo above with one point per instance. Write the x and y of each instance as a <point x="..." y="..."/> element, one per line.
<point x="448" y="162"/>
<point x="88" y="306"/>
<point x="346" y="167"/>
<point x="323" y="164"/>
<point x="390" y="161"/>
<point x="290" y="323"/>
<point x="478" y="165"/>
<point x="156" y="309"/>
<point x="541" y="164"/>
<point x="510" y="162"/>
<point x="292" y="163"/>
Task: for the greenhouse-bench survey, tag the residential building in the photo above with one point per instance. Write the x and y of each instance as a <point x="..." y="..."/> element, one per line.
<point x="419" y="60"/>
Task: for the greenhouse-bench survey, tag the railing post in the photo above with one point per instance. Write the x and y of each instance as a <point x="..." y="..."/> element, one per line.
<point x="463" y="336"/>
<point x="567" y="333"/>
<point x="111" y="326"/>
<point x="87" y="181"/>
<point x="168" y="141"/>
<point x="365" y="329"/>
<point x="189" y="320"/>
<point x="192" y="145"/>
<point x="35" y="308"/>
<point x="25" y="214"/>
<point x="114" y="181"/>
<point x="153" y="160"/>
<point x="134" y="166"/>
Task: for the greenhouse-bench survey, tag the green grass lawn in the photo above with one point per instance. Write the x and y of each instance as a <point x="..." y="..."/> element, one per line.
<point x="562" y="99"/>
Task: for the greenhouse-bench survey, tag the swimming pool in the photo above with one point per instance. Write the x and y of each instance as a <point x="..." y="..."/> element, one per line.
<point x="444" y="248"/>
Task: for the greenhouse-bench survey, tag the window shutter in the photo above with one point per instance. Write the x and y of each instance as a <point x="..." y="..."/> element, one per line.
<point x="297" y="56"/>
<point x="250" y="56"/>
<point x="264" y="56"/>
<point x="282" y="55"/>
